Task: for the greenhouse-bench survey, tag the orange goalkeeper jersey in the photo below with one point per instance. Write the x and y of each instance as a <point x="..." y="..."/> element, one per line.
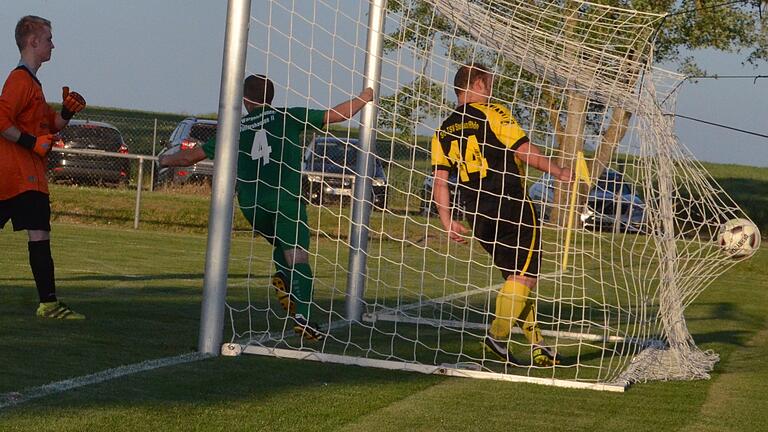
<point x="22" y="104"/>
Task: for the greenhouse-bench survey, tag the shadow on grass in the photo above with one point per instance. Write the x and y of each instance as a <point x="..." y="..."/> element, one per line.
<point x="129" y="278"/>
<point x="737" y="338"/>
<point x="151" y="277"/>
<point x="121" y="331"/>
<point x="245" y="393"/>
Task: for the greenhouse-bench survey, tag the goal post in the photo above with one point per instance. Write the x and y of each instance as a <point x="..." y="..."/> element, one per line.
<point x="361" y="207"/>
<point x="389" y="289"/>
<point x="223" y="187"/>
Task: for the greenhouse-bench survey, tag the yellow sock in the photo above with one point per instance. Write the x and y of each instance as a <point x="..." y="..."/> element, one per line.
<point x="513" y="306"/>
<point x="510" y="302"/>
<point x="527" y="321"/>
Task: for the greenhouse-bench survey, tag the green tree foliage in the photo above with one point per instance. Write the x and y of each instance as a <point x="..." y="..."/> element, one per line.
<point x="689" y="25"/>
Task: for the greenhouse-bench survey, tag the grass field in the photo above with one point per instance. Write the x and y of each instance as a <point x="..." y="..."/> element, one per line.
<point x="141" y="292"/>
<point x="142" y="296"/>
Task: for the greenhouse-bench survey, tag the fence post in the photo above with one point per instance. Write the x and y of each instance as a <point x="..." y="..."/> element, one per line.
<point x="152" y="170"/>
<point x="138" y="194"/>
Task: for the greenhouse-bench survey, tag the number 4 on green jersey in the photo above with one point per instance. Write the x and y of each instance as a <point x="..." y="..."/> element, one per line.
<point x="261" y="148"/>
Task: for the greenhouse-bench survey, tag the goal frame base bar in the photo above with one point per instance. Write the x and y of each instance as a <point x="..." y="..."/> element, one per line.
<point x="446" y="370"/>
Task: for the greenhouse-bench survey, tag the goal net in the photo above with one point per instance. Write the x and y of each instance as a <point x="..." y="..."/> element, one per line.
<point x="578" y="77"/>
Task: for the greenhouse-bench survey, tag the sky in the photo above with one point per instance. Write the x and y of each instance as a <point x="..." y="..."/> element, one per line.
<point x="166" y="56"/>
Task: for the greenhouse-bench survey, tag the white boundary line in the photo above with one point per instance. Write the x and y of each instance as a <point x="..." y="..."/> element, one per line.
<point x="447" y="370"/>
<point x="11" y="399"/>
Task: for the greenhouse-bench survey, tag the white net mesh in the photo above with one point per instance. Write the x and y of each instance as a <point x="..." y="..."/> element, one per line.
<point x="577" y="77"/>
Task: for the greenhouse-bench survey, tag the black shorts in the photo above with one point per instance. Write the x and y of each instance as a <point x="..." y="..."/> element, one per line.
<point x="509" y="230"/>
<point x="30" y="210"/>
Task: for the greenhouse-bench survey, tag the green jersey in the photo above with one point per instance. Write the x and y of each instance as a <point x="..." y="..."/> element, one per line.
<point x="270" y="153"/>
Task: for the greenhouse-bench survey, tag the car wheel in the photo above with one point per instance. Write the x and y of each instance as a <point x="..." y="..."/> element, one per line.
<point x="424" y="204"/>
<point x="160" y="180"/>
<point x="380" y="199"/>
<point x="312" y="193"/>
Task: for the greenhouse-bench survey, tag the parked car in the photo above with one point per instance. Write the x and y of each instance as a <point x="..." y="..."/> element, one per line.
<point x="190" y="133"/>
<point x="428" y="206"/>
<point x="600" y="214"/>
<point x="329" y="172"/>
<point x="98" y="168"/>
<point x="609" y="194"/>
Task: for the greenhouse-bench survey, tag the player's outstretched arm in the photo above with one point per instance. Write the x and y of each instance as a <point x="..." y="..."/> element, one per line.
<point x="345" y="110"/>
<point x="531" y="155"/>
<point x="182" y="158"/>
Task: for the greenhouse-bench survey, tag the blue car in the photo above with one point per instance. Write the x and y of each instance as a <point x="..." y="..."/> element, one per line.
<point x="610" y="201"/>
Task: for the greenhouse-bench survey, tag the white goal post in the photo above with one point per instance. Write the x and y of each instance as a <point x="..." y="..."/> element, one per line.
<point x="389" y="288"/>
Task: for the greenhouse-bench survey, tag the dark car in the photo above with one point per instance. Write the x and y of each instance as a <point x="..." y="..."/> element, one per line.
<point x="97" y="166"/>
<point x="190" y="133"/>
<point x="329" y="172"/>
<point x="428" y="206"/>
<point x="610" y="200"/>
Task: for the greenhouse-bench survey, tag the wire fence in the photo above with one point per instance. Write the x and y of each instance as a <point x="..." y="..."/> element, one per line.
<point x="117" y="150"/>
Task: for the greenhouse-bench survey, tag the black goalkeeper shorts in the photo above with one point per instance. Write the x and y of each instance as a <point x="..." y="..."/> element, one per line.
<point x="509" y="230"/>
<point x="30" y="210"/>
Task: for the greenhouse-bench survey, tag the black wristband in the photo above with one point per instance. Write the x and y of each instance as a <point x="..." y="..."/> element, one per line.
<point x="26" y="141"/>
<point x="66" y="114"/>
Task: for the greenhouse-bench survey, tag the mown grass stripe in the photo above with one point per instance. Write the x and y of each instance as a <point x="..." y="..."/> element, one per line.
<point x="737" y="396"/>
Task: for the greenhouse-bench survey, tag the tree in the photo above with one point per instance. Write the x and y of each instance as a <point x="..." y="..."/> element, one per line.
<point x="689" y="25"/>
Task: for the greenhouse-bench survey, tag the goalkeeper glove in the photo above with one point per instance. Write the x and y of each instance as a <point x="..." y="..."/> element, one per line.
<point x="40" y="145"/>
<point x="72" y="103"/>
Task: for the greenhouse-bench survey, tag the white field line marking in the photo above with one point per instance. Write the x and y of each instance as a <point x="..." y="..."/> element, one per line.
<point x="16" y="398"/>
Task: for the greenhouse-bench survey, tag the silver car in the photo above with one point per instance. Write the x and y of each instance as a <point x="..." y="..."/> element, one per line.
<point x="190" y="133"/>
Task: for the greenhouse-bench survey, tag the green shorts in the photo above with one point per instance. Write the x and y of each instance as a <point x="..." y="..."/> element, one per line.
<point x="283" y="224"/>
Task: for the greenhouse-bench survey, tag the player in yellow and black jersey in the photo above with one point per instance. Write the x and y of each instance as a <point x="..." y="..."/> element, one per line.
<point x="483" y="143"/>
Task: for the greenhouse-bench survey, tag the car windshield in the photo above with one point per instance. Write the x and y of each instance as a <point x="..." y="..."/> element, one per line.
<point x="93" y="136"/>
<point x="202" y="131"/>
<point x="342" y="154"/>
<point x="612" y="184"/>
<point x="333" y="152"/>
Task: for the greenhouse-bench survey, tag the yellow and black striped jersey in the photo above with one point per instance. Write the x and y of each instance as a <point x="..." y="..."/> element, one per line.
<point x="479" y="141"/>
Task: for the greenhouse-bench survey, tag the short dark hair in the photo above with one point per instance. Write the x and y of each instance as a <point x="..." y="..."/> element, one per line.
<point x="259" y="89"/>
<point x="29" y="25"/>
<point x="468" y="74"/>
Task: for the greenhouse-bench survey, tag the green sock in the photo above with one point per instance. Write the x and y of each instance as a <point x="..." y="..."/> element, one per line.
<point x="278" y="257"/>
<point x="301" y="288"/>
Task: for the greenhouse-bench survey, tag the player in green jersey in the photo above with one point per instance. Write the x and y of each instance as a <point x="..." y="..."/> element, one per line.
<point x="269" y="185"/>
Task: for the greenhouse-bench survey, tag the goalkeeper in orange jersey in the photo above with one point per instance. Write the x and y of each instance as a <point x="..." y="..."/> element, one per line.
<point x="27" y="125"/>
<point x="483" y="143"/>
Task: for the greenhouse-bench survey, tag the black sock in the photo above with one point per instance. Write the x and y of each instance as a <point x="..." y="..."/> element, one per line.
<point x="41" y="262"/>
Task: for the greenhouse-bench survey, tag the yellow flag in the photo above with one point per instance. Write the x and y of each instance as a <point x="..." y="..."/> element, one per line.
<point x="582" y="174"/>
